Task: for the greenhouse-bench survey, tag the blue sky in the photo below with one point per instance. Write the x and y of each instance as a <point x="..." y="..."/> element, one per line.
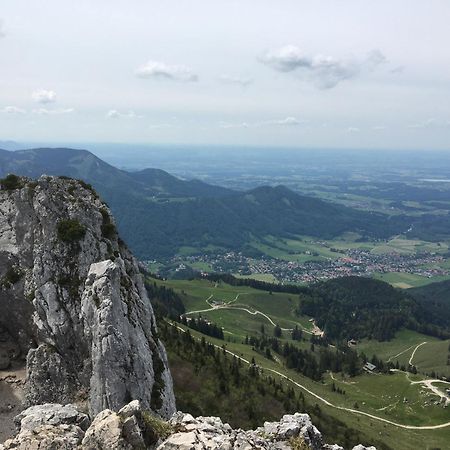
<point x="323" y="73"/>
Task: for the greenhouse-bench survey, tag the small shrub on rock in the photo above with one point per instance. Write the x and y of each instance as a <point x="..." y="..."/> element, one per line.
<point x="11" y="182"/>
<point x="70" y="230"/>
<point x="11" y="277"/>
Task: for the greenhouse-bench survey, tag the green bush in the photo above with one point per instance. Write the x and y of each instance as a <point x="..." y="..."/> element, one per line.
<point x="11" y="277"/>
<point x="108" y="228"/>
<point x="11" y="182"/>
<point x="155" y="428"/>
<point x="70" y="230"/>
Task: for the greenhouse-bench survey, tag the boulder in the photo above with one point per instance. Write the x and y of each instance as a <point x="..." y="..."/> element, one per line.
<point x="48" y="426"/>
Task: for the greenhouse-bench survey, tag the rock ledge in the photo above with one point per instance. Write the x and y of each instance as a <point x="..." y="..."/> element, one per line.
<point x="53" y="426"/>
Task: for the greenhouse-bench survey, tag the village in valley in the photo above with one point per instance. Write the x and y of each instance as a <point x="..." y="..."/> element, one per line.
<point x="356" y="262"/>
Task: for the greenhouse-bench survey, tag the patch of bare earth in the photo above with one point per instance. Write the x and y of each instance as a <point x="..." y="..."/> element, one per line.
<point x="11" y="396"/>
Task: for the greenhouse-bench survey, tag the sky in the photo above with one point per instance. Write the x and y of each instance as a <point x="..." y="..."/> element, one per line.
<point x="318" y="73"/>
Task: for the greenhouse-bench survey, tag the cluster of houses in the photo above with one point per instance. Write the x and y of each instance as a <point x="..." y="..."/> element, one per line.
<point x="360" y="262"/>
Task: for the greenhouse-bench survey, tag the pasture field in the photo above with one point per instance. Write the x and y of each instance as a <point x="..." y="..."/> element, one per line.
<point x="390" y="397"/>
<point x="266" y="277"/>
<point x="200" y="265"/>
<point x="307" y="248"/>
<point x="433" y="357"/>
<point x="402" y="245"/>
<point x="199" y="295"/>
<point x="407" y="280"/>
<point x="241" y="319"/>
<point x="429" y="357"/>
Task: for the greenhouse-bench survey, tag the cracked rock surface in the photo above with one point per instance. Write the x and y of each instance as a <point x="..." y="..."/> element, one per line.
<point x="74" y="304"/>
<point x="134" y="428"/>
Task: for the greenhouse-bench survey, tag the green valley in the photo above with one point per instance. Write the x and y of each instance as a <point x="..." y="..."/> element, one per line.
<point x="401" y="409"/>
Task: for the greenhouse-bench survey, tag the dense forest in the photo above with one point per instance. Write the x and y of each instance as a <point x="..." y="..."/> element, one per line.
<point x="435" y="298"/>
<point x="166" y="302"/>
<point x="203" y="326"/>
<point x="256" y="284"/>
<point x="313" y="362"/>
<point x="356" y="307"/>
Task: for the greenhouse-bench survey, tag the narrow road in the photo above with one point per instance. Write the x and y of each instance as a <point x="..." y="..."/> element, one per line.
<point x="414" y="352"/>
<point x="398" y="354"/>
<point x="213" y="307"/>
<point x="429" y="384"/>
<point x="253" y="313"/>
<point x="326" y="402"/>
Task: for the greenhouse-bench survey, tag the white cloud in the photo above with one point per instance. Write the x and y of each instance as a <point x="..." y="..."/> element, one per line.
<point x="156" y="69"/>
<point x="51" y="112"/>
<point x="2" y="33"/>
<point x="325" y="71"/>
<point x="352" y="130"/>
<point x="44" y="96"/>
<point x="431" y="123"/>
<point x="114" y="114"/>
<point x="288" y="121"/>
<point x="161" y="126"/>
<point x="227" y="125"/>
<point x="378" y="128"/>
<point x="241" y="81"/>
<point x="398" y="70"/>
<point x="12" y="110"/>
<point x="374" y="59"/>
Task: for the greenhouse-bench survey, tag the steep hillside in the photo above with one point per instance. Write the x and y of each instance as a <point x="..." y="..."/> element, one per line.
<point x="109" y="180"/>
<point x="73" y="302"/>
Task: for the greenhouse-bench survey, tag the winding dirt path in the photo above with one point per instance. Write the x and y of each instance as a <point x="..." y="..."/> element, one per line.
<point x="326" y="402"/>
<point x="414" y="352"/>
<point x="398" y="354"/>
<point x="239" y="308"/>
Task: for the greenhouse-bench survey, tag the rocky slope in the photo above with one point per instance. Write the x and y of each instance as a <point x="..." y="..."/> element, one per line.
<point x="73" y="303"/>
<point x="63" y="427"/>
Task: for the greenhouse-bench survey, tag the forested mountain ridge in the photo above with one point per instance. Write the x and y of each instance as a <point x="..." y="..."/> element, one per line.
<point x="158" y="213"/>
<point x="435" y="298"/>
<point x="84" y="165"/>
<point x="357" y="307"/>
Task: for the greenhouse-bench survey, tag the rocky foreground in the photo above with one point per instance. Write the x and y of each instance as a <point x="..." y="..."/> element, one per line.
<point x="54" y="427"/>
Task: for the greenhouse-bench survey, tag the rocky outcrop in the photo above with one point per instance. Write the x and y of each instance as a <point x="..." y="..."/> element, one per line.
<point x="73" y="301"/>
<point x="134" y="428"/>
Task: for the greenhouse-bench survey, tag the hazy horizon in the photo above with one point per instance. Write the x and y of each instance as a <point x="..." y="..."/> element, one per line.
<point x="286" y="74"/>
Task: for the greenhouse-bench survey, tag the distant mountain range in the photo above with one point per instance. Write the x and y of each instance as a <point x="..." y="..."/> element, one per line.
<point x="158" y="213"/>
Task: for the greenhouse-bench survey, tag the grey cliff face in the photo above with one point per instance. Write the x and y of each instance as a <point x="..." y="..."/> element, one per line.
<point x="73" y="301"/>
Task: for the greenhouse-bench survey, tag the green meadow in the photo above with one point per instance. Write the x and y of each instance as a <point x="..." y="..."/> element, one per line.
<point x="386" y="396"/>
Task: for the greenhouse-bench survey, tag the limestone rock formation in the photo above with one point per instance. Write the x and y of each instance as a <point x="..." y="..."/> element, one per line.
<point x="73" y="301"/>
<point x="133" y="428"/>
